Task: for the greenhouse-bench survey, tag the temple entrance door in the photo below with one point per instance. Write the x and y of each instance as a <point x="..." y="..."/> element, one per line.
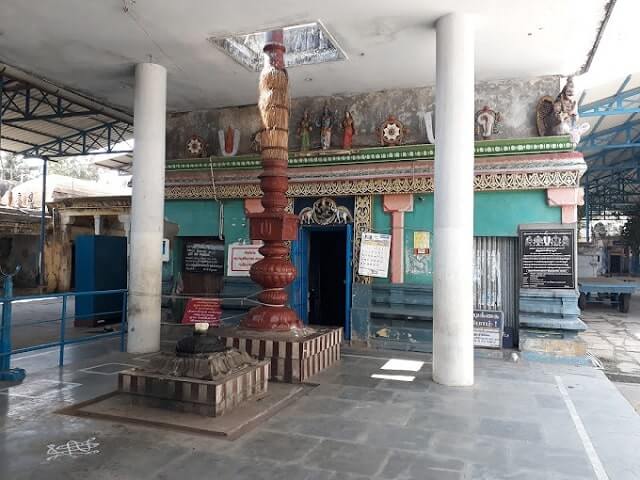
<point x="327" y="277"/>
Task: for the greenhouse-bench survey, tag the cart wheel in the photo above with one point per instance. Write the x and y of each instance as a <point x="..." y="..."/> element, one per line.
<point x="582" y="301"/>
<point x="623" y="302"/>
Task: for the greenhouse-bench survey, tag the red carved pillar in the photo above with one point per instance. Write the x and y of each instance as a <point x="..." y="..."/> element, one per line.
<point x="273" y="226"/>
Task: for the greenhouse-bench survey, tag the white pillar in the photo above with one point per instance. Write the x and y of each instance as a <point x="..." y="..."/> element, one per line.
<point x="96" y="224"/>
<point x="453" y="198"/>
<point x="147" y="208"/>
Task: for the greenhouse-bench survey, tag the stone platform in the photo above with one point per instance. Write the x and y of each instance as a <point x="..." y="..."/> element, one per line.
<point x="211" y="398"/>
<point x="294" y="356"/>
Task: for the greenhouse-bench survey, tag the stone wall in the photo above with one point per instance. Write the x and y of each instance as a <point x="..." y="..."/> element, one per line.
<point x="514" y="99"/>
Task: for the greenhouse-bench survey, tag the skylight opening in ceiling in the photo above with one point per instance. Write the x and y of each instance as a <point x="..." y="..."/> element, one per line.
<point x="307" y="44"/>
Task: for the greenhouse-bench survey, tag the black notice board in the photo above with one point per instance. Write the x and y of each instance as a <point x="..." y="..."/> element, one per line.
<point x="547" y="258"/>
<point x="203" y="256"/>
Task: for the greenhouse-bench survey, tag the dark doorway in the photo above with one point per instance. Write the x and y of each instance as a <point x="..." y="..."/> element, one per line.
<point x="615" y="264"/>
<point x="327" y="277"/>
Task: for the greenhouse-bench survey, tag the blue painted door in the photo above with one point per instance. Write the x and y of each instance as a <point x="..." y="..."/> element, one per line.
<point x="348" y="280"/>
<point x="300" y="287"/>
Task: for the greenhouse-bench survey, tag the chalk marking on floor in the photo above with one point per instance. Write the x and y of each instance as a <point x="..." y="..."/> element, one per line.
<point x="598" y="468"/>
<point x="91" y="370"/>
<point x="72" y="449"/>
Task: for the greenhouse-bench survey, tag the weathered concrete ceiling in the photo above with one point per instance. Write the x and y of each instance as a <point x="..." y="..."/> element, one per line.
<point x="92" y="45"/>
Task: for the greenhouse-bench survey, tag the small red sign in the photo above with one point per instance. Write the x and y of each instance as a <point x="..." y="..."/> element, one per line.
<point x="421" y="251"/>
<point x="203" y="310"/>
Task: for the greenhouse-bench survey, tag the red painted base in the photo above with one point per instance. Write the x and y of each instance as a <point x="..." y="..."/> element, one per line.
<point x="271" y="318"/>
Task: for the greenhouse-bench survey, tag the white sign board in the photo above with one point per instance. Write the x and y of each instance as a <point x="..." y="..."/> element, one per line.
<point x="374" y="255"/>
<point x="165" y="249"/>
<point x="488" y="326"/>
<point x="240" y="257"/>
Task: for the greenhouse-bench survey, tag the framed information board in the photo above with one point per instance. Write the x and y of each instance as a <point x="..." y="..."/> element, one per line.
<point x="203" y="256"/>
<point x="547" y="258"/>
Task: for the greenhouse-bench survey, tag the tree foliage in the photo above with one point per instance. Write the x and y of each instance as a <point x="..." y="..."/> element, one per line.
<point x="73" y="167"/>
<point x="13" y="168"/>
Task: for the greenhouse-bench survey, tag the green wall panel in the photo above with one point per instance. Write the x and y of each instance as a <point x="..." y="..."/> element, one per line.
<point x="495" y="214"/>
<point x="196" y="218"/>
<point x="499" y="213"/>
<point x="200" y="218"/>
<point x="236" y="227"/>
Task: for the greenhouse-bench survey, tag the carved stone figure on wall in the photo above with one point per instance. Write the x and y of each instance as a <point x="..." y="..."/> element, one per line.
<point x="229" y="141"/>
<point x="196" y="147"/>
<point x="349" y="130"/>
<point x="427" y="118"/>
<point x="325" y="211"/>
<point x="256" y="144"/>
<point x="392" y="132"/>
<point x="487" y="123"/>
<point x="304" y="132"/>
<point x="326" y="125"/>
<point x="560" y="116"/>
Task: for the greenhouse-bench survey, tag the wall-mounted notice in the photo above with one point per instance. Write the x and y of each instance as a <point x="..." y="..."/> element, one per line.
<point x="203" y="257"/>
<point x="374" y="255"/>
<point x="547" y="258"/>
<point x="421" y="243"/>
<point x="488" y="326"/>
<point x="165" y="250"/>
<point x="240" y="257"/>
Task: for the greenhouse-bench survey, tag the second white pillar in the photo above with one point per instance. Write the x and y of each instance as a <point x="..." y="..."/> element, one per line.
<point x="453" y="199"/>
<point x="147" y="208"/>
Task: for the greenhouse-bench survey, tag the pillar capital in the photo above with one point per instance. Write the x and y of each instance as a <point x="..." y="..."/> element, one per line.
<point x="398" y="202"/>
<point x="568" y="199"/>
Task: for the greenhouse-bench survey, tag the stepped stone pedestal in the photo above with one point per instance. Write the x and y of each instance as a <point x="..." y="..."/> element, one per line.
<point x="211" y="398"/>
<point x="293" y="356"/>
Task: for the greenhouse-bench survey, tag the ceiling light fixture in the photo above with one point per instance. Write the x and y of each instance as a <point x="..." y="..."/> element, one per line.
<point x="307" y="44"/>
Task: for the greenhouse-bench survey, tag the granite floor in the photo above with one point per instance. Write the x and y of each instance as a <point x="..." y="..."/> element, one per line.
<point x="368" y="418"/>
<point x="614" y="338"/>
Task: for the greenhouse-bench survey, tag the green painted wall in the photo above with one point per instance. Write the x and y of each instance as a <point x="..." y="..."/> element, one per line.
<point x="495" y="214"/>
<point x="196" y="218"/>
<point x="201" y="218"/>
<point x="499" y="213"/>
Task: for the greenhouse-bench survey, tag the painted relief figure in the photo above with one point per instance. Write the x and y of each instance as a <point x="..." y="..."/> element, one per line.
<point x="229" y="141"/>
<point x="326" y="125"/>
<point x="487" y="123"/>
<point x="304" y="132"/>
<point x="349" y="130"/>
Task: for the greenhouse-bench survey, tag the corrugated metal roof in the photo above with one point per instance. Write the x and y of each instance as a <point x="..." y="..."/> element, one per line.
<point x="38" y="118"/>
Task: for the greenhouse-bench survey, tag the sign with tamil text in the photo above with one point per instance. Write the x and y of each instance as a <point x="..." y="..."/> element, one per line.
<point x="547" y="258"/>
<point x="374" y="255"/>
<point x="204" y="257"/>
<point x="240" y="257"/>
<point x="203" y="310"/>
<point x="488" y="326"/>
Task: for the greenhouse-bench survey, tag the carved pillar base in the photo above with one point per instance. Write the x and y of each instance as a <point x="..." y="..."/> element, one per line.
<point x="274" y="272"/>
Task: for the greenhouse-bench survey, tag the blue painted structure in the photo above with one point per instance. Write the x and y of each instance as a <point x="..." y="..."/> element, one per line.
<point x="300" y="256"/>
<point x="101" y="264"/>
<point x="8" y="374"/>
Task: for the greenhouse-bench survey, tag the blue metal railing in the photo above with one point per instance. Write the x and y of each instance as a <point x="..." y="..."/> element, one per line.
<point x="6" y="326"/>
